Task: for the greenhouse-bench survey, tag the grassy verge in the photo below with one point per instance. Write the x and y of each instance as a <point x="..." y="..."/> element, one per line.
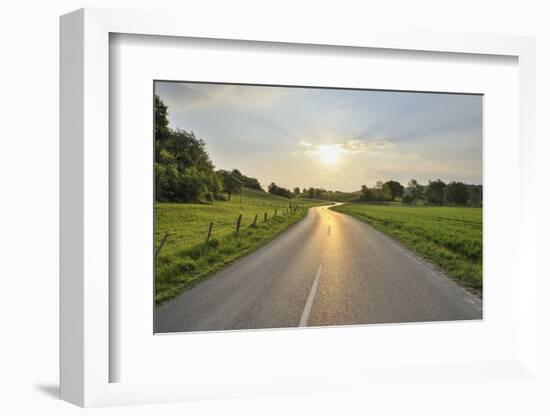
<point x="449" y="237"/>
<point x="187" y="258"/>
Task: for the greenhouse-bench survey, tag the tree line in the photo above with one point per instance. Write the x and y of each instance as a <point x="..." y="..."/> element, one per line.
<point x="434" y="193"/>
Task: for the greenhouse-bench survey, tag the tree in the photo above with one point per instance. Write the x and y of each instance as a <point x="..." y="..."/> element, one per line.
<point x="311" y="192"/>
<point x="414" y="188"/>
<point x="277" y="190"/>
<point x="162" y="132"/>
<point x="393" y="188"/>
<point x="232" y="184"/>
<point x="183" y="169"/>
<point x="456" y="193"/>
<point x="296" y="191"/>
<point x="247" y="182"/>
<point x="251" y="183"/>
<point x="366" y="194"/>
<point x="379" y="187"/>
<point x="435" y="192"/>
<point x="475" y="195"/>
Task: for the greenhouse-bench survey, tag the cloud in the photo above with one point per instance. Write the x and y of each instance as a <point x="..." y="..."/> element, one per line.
<point x="366" y="146"/>
<point x="350" y="146"/>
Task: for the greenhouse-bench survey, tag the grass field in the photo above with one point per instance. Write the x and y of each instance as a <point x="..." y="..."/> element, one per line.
<point x="186" y="258"/>
<point x="450" y="237"/>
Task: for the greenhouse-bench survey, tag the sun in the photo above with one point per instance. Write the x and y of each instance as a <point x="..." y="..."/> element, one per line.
<point x="330" y="154"/>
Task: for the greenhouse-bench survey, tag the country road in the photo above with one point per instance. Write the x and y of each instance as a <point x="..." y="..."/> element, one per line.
<point x="328" y="269"/>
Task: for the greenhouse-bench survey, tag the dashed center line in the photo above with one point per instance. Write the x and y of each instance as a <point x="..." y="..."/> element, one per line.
<point x="311" y="297"/>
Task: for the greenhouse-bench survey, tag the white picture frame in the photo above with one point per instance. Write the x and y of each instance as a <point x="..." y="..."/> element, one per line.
<point x="85" y="352"/>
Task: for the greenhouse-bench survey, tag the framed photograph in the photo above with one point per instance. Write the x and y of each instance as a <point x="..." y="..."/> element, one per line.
<point x="239" y="247"/>
<point x="270" y="212"/>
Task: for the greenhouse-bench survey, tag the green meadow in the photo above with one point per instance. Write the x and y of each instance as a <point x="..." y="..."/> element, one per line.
<point x="187" y="257"/>
<point x="449" y="237"/>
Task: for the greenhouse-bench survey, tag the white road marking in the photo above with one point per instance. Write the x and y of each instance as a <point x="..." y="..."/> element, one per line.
<point x="311" y="297"/>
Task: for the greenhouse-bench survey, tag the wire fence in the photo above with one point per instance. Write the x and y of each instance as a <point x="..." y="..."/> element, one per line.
<point x="259" y="219"/>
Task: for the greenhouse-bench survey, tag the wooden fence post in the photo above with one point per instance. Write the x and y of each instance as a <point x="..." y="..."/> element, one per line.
<point x="255" y="218"/>
<point x="265" y="216"/>
<point x="161" y="245"/>
<point x="209" y="232"/>
<point x="239" y="222"/>
<point x="275" y="211"/>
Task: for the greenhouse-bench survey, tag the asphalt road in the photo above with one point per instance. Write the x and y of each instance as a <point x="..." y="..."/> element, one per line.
<point x="328" y="269"/>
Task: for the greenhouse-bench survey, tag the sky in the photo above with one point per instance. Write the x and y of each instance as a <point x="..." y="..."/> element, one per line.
<point x="335" y="139"/>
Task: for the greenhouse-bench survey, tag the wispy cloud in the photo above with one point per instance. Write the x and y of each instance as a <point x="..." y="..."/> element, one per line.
<point x="366" y="146"/>
<point x="350" y="146"/>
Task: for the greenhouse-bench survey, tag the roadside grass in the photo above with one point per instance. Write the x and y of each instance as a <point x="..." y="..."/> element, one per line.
<point x="187" y="258"/>
<point x="449" y="237"/>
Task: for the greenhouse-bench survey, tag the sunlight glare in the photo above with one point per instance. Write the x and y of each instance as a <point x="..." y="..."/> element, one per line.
<point x="329" y="154"/>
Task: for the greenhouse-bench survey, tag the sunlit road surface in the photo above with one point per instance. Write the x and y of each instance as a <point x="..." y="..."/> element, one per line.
<point x="328" y="269"/>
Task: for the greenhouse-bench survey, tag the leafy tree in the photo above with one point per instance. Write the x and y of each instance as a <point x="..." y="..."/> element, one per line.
<point x="456" y="193"/>
<point x="231" y="182"/>
<point x="251" y="183"/>
<point x="296" y="191"/>
<point x="183" y="169"/>
<point x="435" y="192"/>
<point x="161" y="120"/>
<point x="311" y="192"/>
<point x="393" y="188"/>
<point x="196" y="182"/>
<point x="366" y="194"/>
<point x="379" y="189"/>
<point x="277" y="190"/>
<point x="415" y="190"/>
<point x="247" y="182"/>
